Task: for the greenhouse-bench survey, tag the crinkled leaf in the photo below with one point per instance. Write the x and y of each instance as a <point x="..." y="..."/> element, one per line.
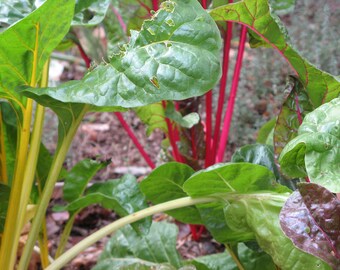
<point x="262" y="155"/>
<point x="121" y="195"/>
<point x="256" y="15"/>
<point x="311" y="218"/>
<point x="228" y="178"/>
<point x="77" y="179"/>
<point x="288" y="121"/>
<point x="316" y="151"/>
<point x="171" y="58"/>
<point x="90" y="12"/>
<point x="187" y="121"/>
<point x="153" y="116"/>
<point x="31" y="41"/>
<point x="4" y="198"/>
<point x="127" y="248"/>
<point x="165" y="183"/>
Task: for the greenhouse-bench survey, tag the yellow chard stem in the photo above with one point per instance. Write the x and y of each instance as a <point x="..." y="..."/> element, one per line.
<point x="3" y="164"/>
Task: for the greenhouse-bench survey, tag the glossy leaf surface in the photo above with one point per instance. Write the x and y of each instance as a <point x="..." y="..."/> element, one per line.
<point x="165" y="183"/>
<point x="90" y="12"/>
<point x="127" y="248"/>
<point x="261" y="154"/>
<point x="316" y="151"/>
<point x="232" y="177"/>
<point x="256" y="15"/>
<point x="310" y="218"/>
<point x="294" y="109"/>
<point x="171" y="58"/>
<point x="121" y="195"/>
<point x="250" y="212"/>
<point x="77" y="179"/>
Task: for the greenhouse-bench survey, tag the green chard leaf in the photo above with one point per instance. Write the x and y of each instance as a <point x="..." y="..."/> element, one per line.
<point x="165" y="183"/>
<point x="126" y="248"/>
<point x="120" y="195"/>
<point x="153" y="116"/>
<point x="294" y="109"/>
<point x="256" y="15"/>
<point x="171" y="58"/>
<point x="89" y="12"/>
<point x="221" y="179"/>
<point x="187" y="121"/>
<point x="249" y="207"/>
<point x="22" y="62"/>
<point x="310" y="218"/>
<point x="261" y="154"/>
<point x="77" y="179"/>
<point x="315" y="152"/>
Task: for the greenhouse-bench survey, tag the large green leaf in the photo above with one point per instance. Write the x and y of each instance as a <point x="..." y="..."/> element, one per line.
<point x="174" y="56"/>
<point x="90" y="12"/>
<point x="255" y="14"/>
<point x="77" y="179"/>
<point x="127" y="248"/>
<point x="31" y="41"/>
<point x="231" y="177"/>
<point x="228" y="178"/>
<point x="310" y="218"/>
<point x="121" y="195"/>
<point x="4" y="198"/>
<point x="294" y="109"/>
<point x="316" y="150"/>
<point x="261" y="154"/>
<point x="165" y="183"/>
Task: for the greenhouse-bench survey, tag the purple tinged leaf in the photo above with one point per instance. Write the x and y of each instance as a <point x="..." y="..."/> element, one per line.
<point x="311" y="219"/>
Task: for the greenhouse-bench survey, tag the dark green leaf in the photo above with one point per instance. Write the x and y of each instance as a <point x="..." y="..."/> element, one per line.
<point x="256" y="15"/>
<point x="121" y="195"/>
<point x="171" y="58"/>
<point x="4" y="198"/>
<point x="310" y="218"/>
<point x="77" y="179"/>
<point x="165" y="183"/>
<point x="127" y="248"/>
<point x="90" y="12"/>
<point x="262" y="155"/>
<point x="187" y="121"/>
<point x="316" y="151"/>
<point x="153" y="116"/>
<point x="265" y="132"/>
<point x="288" y="121"/>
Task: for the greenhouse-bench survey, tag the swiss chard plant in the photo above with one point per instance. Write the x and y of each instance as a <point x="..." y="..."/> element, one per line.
<point x="159" y="67"/>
